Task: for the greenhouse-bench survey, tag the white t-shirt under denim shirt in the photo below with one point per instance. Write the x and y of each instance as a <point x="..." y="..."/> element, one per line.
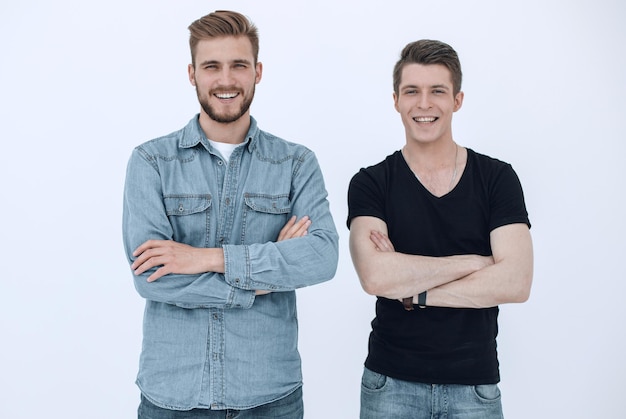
<point x="208" y="341"/>
<point x="225" y="149"/>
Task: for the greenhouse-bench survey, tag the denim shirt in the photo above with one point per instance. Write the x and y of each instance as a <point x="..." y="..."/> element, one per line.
<point x="208" y="342"/>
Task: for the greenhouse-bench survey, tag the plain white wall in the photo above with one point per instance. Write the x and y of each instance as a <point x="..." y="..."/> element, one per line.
<point x="82" y="83"/>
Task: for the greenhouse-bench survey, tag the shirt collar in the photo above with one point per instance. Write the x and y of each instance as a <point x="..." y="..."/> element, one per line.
<point x="193" y="135"/>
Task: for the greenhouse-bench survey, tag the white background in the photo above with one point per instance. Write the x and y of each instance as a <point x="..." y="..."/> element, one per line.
<point x="82" y="83"/>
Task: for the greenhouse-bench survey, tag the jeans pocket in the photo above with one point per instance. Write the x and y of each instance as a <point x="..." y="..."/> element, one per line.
<point x="372" y="380"/>
<point x="487" y="392"/>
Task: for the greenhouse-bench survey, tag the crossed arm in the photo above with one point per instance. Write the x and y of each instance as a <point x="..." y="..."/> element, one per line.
<point x="179" y="258"/>
<point x="463" y="281"/>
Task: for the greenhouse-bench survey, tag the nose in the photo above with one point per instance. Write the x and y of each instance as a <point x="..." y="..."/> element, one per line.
<point x="424" y="101"/>
<point x="226" y="77"/>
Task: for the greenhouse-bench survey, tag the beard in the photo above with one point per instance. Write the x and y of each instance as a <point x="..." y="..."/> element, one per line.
<point x="225" y="118"/>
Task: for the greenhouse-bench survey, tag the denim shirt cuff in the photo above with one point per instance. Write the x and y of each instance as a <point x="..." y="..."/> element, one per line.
<point x="236" y="266"/>
<point x="242" y="298"/>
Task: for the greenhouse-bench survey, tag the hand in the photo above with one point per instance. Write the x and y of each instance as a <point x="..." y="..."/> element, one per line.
<point x="381" y="241"/>
<point x="171" y="256"/>
<point x="180" y="258"/>
<point x="294" y="229"/>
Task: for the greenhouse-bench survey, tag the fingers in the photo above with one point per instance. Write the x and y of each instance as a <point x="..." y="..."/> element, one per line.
<point x="301" y="227"/>
<point x="381" y="242"/>
<point x="146" y="252"/>
<point x="284" y="231"/>
<point x="158" y="274"/>
<point x="151" y="254"/>
<point x="171" y="257"/>
<point x="294" y="228"/>
<point x="147" y="260"/>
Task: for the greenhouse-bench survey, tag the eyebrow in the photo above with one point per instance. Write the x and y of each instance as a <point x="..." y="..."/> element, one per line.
<point x="434" y="86"/>
<point x="236" y="61"/>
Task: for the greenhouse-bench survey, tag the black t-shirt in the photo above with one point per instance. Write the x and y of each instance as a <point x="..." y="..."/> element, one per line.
<point x="437" y="345"/>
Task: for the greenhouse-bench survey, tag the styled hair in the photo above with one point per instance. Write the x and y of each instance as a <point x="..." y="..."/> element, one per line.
<point x="427" y="51"/>
<point x="223" y="23"/>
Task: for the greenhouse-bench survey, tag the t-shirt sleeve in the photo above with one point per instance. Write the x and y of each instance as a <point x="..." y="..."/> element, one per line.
<point x="507" y="199"/>
<point x="365" y="196"/>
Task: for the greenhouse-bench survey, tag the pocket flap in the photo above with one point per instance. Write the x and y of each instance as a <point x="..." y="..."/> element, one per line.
<point x="271" y="204"/>
<point x="186" y="204"/>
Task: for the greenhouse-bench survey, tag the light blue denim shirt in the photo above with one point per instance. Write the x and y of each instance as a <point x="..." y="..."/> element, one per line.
<point x="208" y="342"/>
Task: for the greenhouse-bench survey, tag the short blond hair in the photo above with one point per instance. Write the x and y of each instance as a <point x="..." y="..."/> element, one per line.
<point x="223" y="23"/>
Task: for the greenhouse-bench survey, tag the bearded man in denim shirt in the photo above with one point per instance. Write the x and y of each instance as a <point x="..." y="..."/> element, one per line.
<point x="222" y="222"/>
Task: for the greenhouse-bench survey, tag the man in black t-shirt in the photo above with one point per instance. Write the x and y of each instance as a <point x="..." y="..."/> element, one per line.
<point x="440" y="234"/>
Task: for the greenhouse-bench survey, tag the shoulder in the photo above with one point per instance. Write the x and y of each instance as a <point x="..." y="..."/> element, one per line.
<point x="270" y="147"/>
<point x="378" y="180"/>
<point x="484" y="160"/>
<point x="488" y="167"/>
<point x="380" y="170"/>
<point x="171" y="143"/>
<point x="268" y="141"/>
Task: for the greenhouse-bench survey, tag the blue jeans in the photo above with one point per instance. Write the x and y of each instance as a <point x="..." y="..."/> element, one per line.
<point x="384" y="397"/>
<point x="290" y="407"/>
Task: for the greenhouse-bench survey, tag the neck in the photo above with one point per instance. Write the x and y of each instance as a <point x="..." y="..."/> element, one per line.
<point x="437" y="170"/>
<point x="431" y="156"/>
<point x="232" y="132"/>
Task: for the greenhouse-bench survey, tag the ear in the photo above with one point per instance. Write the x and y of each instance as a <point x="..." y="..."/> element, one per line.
<point x="192" y="74"/>
<point x="395" y="102"/>
<point x="458" y="101"/>
<point x="259" y="72"/>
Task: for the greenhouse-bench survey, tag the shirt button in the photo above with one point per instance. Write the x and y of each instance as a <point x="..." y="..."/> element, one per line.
<point x="227" y="201"/>
<point x="236" y="280"/>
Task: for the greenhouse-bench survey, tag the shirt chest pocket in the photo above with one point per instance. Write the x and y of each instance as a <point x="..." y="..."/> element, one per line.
<point x="190" y="217"/>
<point x="264" y="216"/>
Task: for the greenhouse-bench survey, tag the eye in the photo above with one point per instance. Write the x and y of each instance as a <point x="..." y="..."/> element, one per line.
<point x="410" y="92"/>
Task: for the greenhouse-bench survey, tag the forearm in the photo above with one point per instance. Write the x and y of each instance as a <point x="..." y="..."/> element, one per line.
<point x="487" y="288"/>
<point x="396" y="275"/>
<point x="285" y="265"/>
<point x="304" y="260"/>
<point x="144" y="219"/>
<point x="509" y="280"/>
<point x="387" y="273"/>
<point x="179" y="274"/>
<point x="194" y="291"/>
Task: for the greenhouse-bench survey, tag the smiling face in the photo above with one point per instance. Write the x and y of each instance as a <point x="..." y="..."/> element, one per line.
<point x="426" y="102"/>
<point x="225" y="75"/>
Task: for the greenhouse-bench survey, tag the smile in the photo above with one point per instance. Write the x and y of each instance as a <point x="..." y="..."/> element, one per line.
<point x="425" y="119"/>
<point x="226" y="95"/>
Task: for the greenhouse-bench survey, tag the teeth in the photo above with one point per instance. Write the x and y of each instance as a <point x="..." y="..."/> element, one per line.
<point x="226" y="95"/>
<point x="424" y="119"/>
